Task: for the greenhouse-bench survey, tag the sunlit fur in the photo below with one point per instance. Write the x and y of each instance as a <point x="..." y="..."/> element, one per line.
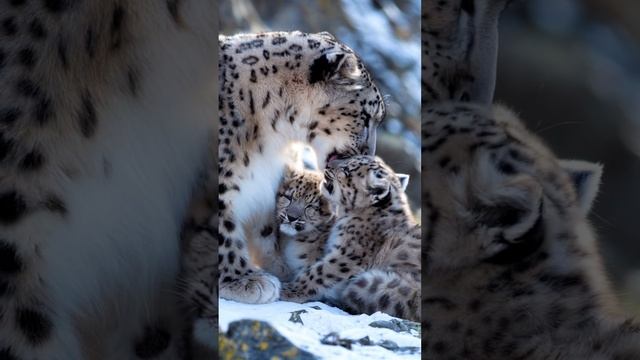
<point x="372" y="258"/>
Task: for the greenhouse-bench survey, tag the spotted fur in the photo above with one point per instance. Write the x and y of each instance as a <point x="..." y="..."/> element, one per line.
<point x="303" y="218"/>
<point x="459" y="47"/>
<point x="372" y="260"/>
<point x="275" y="89"/>
<point x="105" y="113"/>
<point x="512" y="267"/>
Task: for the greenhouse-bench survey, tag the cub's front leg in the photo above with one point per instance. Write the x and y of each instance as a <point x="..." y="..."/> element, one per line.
<point x="240" y="280"/>
<point x="318" y="279"/>
<point x="270" y="255"/>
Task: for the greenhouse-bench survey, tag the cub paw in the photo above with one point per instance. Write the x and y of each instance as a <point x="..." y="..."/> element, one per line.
<point x="280" y="270"/>
<point x="293" y="294"/>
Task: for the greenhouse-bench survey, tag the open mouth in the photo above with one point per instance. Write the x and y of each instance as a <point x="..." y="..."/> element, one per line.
<point x="328" y="185"/>
<point x="332" y="156"/>
<point x="335" y="155"/>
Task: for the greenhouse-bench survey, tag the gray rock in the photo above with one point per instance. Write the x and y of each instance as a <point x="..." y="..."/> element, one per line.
<point x="398" y="325"/>
<point x="335" y="339"/>
<point x="253" y="339"/>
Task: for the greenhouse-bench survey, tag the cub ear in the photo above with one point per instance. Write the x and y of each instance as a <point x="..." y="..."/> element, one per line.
<point x="378" y="188"/>
<point x="340" y="68"/>
<point x="404" y="181"/>
<point x="585" y="177"/>
<point x="515" y="209"/>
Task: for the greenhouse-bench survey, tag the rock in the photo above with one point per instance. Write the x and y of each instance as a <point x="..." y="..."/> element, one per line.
<point x="253" y="339"/>
<point x="336" y="340"/>
<point x="295" y="316"/>
<point x="315" y="329"/>
<point x="398" y="326"/>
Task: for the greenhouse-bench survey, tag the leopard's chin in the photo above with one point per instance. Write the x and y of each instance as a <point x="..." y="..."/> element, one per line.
<point x="287" y="229"/>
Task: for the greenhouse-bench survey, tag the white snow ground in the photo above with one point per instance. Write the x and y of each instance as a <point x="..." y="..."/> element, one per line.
<point x="317" y="324"/>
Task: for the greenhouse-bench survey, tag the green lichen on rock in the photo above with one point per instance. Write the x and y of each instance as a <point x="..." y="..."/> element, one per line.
<point x="253" y="339"/>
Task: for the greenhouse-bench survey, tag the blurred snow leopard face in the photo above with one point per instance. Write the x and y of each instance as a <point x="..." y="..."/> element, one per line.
<point x="300" y="206"/>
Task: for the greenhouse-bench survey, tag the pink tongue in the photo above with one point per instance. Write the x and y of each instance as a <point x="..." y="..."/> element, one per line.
<point x="332" y="157"/>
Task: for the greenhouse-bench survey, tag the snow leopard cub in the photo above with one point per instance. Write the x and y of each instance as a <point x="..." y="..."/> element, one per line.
<point x="303" y="219"/>
<point x="372" y="260"/>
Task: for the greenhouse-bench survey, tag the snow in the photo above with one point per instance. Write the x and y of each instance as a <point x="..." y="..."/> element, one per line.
<point x="375" y="36"/>
<point x="318" y="321"/>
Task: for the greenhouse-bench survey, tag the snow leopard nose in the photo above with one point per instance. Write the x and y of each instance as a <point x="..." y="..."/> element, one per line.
<point x="292" y="218"/>
<point x="369" y="148"/>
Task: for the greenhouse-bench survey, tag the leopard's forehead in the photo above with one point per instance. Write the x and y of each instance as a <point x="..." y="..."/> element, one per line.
<point x="293" y="47"/>
<point x="301" y="184"/>
<point x="293" y="41"/>
<point x="267" y="47"/>
<point x="466" y="130"/>
<point x="473" y="145"/>
<point x="364" y="162"/>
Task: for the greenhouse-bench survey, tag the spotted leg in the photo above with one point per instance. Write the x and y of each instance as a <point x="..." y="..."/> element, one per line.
<point x="314" y="282"/>
<point x="239" y="279"/>
<point x="32" y="323"/>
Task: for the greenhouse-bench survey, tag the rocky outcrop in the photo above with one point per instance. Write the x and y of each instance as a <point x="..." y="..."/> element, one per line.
<point x="284" y="330"/>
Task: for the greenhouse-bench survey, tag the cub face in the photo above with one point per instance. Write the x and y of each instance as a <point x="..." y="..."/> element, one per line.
<point x="492" y="191"/>
<point x="299" y="205"/>
<point x="362" y="182"/>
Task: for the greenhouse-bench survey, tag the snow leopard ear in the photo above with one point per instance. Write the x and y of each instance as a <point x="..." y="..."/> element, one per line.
<point x="404" y="181"/>
<point x="340" y="68"/>
<point x="585" y="177"/>
<point x="512" y="214"/>
<point x="378" y="187"/>
<point x="513" y="206"/>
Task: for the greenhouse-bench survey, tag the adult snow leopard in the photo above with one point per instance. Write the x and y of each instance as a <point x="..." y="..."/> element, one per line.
<point x="277" y="88"/>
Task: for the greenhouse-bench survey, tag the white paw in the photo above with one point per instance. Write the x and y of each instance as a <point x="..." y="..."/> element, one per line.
<point x="255" y="288"/>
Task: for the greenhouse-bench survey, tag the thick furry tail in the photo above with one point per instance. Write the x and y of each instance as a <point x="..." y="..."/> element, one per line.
<point x="390" y="292"/>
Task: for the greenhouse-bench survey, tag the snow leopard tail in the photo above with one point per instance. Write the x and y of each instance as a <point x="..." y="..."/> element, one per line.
<point x="390" y="292"/>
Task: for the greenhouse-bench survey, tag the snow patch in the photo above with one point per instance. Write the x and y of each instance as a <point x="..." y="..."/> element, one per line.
<point x="318" y="321"/>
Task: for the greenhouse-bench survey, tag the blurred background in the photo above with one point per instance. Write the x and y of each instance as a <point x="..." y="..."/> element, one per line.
<point x="571" y="69"/>
<point x="386" y="35"/>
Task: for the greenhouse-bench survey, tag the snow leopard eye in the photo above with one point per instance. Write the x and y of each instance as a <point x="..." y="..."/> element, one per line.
<point x="285" y="199"/>
<point x="310" y="211"/>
